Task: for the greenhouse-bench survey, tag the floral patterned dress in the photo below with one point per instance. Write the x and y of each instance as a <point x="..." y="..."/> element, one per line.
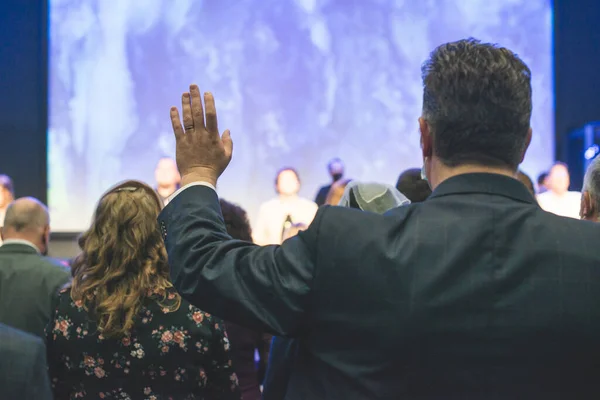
<point x="178" y="355"/>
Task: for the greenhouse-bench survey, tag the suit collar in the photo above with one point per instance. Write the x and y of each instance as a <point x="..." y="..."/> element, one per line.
<point x="494" y="184"/>
<point x="18" y="246"/>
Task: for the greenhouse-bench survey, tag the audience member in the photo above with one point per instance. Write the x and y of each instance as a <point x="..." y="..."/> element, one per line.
<point x="590" y="198"/>
<point x="336" y="192"/>
<point x="245" y="342"/>
<point x="558" y="199"/>
<point x="474" y="293"/>
<point x="542" y="182"/>
<point x="167" y="178"/>
<point x="23" y="368"/>
<point x="335" y="167"/>
<point x="413" y="186"/>
<point x="29" y="281"/>
<point x="371" y="197"/>
<point x="526" y="180"/>
<point x="120" y="330"/>
<point x="7" y="195"/>
<point x="278" y="214"/>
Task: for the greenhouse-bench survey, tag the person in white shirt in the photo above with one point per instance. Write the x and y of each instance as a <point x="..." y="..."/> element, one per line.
<point x="558" y="199"/>
<point x="287" y="209"/>
<point x="590" y="198"/>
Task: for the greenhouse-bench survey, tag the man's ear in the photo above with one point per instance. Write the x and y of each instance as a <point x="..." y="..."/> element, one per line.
<point x="2" y="233"/>
<point x="587" y="209"/>
<point x="527" y="143"/>
<point x="426" y="139"/>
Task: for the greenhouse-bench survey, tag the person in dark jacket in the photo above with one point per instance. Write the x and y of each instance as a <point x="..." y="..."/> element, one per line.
<point x="245" y="343"/>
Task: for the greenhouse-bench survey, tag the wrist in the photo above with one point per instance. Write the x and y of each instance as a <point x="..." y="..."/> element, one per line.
<point x="198" y="176"/>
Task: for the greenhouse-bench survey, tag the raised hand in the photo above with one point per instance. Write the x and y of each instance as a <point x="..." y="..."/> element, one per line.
<point x="202" y="153"/>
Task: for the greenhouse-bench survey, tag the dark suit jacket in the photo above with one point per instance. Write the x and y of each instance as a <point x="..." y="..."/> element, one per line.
<point x="322" y="195"/>
<point x="474" y="293"/>
<point x="23" y="368"/>
<point x="29" y="284"/>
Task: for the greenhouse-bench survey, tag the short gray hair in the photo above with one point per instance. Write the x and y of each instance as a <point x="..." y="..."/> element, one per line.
<point x="26" y="214"/>
<point x="591" y="181"/>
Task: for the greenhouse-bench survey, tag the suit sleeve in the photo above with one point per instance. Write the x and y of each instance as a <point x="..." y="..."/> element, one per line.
<point x="39" y="382"/>
<point x="264" y="288"/>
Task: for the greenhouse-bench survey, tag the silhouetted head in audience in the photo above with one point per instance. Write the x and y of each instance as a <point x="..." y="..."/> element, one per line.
<point x="476" y="110"/>
<point x="167" y="177"/>
<point x="526" y="180"/>
<point x="412" y="185"/>
<point x="558" y="179"/>
<point x="590" y="197"/>
<point x="336" y="192"/>
<point x="336" y="169"/>
<point x="123" y="259"/>
<point x="7" y="193"/>
<point x="287" y="182"/>
<point x="236" y="221"/>
<point x="542" y="182"/>
<point x="27" y="219"/>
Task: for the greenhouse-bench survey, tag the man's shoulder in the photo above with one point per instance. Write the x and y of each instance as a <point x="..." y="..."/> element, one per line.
<point x="37" y="264"/>
<point x="16" y="341"/>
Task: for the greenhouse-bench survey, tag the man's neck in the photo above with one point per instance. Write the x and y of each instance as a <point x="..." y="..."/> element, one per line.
<point x="559" y="194"/>
<point x="441" y="172"/>
<point x="285" y="198"/>
<point x="21" y="240"/>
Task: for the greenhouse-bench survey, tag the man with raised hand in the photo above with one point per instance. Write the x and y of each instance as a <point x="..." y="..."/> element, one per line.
<point x="474" y="293"/>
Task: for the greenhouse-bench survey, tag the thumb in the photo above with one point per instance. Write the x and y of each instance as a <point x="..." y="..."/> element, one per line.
<point x="227" y="143"/>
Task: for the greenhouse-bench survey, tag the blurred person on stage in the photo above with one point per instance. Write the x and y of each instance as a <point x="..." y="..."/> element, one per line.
<point x="558" y="199"/>
<point x="336" y="192"/>
<point x="7" y="195"/>
<point x="335" y="167"/>
<point x="29" y="281"/>
<point x="287" y="209"/>
<point x="120" y="329"/>
<point x="245" y="342"/>
<point x="542" y="183"/>
<point x="526" y="180"/>
<point x="590" y="197"/>
<point x="411" y="184"/>
<point x="474" y="293"/>
<point x="23" y="367"/>
<point x="167" y="178"/>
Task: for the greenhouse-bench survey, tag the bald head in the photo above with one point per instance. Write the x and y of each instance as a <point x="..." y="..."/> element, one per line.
<point x="27" y="219"/>
<point x="26" y="214"/>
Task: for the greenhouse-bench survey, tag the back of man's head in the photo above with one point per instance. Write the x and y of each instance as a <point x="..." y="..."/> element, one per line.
<point x="412" y="185"/>
<point x="477" y="103"/>
<point x="590" y="204"/>
<point x="27" y="219"/>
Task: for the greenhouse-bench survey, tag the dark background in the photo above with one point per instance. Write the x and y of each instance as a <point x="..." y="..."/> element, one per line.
<point x="23" y="83"/>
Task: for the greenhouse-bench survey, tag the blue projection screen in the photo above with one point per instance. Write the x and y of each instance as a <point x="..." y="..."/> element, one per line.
<point x="297" y="81"/>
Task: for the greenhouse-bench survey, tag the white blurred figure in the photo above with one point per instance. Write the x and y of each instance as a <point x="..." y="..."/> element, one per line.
<point x="590" y="198"/>
<point x="558" y="199"/>
<point x="278" y="215"/>
<point x="167" y="178"/>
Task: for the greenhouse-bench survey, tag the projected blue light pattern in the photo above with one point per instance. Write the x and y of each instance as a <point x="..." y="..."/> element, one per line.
<point x="297" y="82"/>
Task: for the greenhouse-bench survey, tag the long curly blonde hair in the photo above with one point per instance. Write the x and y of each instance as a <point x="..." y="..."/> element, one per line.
<point x="123" y="259"/>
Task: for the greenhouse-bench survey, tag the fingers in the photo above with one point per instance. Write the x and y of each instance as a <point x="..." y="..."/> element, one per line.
<point x="176" y="122"/>
<point x="227" y="143"/>
<point x="211" y="114"/>
<point x="186" y="108"/>
<point x="197" y="111"/>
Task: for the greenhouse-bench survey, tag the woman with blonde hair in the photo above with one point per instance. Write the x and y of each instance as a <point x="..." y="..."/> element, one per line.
<point x="120" y="330"/>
